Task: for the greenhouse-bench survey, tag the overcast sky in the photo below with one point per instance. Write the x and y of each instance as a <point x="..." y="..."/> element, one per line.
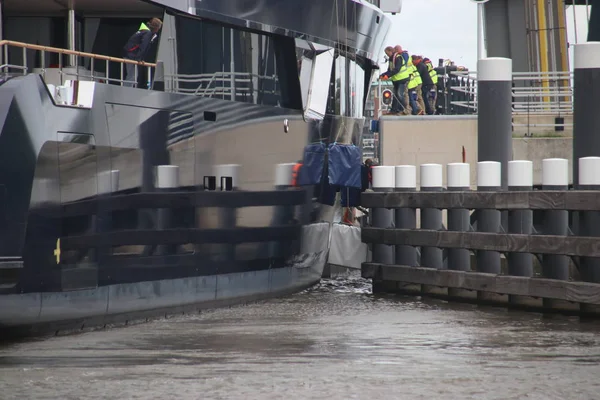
<point x="448" y="28"/>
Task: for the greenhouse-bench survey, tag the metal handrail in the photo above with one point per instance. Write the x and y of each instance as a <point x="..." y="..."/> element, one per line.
<point x="546" y="93"/>
<point x="7" y="67"/>
<point x="73" y="53"/>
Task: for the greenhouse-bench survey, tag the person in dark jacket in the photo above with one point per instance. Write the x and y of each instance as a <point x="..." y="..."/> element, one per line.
<point x="137" y="47"/>
<point x="428" y="84"/>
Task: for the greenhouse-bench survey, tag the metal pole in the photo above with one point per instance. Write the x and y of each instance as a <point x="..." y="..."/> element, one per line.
<point x="483" y="32"/>
<point x="431" y="218"/>
<point x="232" y="65"/>
<point x="383" y="181"/>
<point x="71" y="34"/>
<point x="406" y="218"/>
<point x="459" y="179"/>
<point x="479" y="30"/>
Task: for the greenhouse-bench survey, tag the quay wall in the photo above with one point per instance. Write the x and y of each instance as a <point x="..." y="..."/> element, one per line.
<point x="440" y="139"/>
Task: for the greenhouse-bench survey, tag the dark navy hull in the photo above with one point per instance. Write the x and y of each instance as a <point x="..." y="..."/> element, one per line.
<point x="51" y="312"/>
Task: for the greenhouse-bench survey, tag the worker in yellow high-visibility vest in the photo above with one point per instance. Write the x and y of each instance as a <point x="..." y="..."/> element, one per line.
<point x="414" y="87"/>
<point x="432" y="91"/>
<point x="399" y="75"/>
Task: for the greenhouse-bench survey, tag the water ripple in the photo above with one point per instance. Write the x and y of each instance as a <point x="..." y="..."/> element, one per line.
<point x="335" y="340"/>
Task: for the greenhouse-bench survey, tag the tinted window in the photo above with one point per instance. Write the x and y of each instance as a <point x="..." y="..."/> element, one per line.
<point x="225" y="63"/>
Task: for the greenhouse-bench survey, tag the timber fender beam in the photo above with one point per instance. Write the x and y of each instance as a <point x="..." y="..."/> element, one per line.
<point x="540" y="288"/>
<point x="573" y="200"/>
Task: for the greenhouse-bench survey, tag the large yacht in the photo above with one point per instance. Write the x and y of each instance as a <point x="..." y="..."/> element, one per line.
<point x="124" y="198"/>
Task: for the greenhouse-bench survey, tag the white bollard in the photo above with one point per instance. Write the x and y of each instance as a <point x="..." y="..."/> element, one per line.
<point x="489" y="174"/>
<point x="458" y="176"/>
<point x="384" y="177"/>
<point x="520" y="174"/>
<point x="167" y="176"/>
<point x="283" y="174"/>
<point x="589" y="171"/>
<point x="384" y="180"/>
<point x="108" y="181"/>
<point x="431" y="218"/>
<point x="406" y="218"/>
<point x="489" y="178"/>
<point x="222" y="171"/>
<point x="431" y="176"/>
<point x="405" y="177"/>
<point x="555" y="173"/>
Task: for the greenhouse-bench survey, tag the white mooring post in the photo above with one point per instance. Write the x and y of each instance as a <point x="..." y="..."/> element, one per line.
<point x="555" y="176"/>
<point x="384" y="180"/>
<point x="458" y="178"/>
<point x="520" y="178"/>
<point x="431" y="218"/>
<point x="406" y="218"/>
<point x="489" y="179"/>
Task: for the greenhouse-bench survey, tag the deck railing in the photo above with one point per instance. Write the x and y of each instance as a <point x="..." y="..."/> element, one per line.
<point x="40" y="54"/>
<point x="538" y="93"/>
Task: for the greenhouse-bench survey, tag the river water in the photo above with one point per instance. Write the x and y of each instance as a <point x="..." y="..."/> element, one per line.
<point x="333" y="341"/>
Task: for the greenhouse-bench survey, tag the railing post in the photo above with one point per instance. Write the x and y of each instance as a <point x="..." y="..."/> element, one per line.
<point x="520" y="178"/>
<point x="589" y="222"/>
<point x="586" y="102"/>
<point x="406" y="218"/>
<point x="431" y="218"/>
<point x="167" y="180"/>
<point x="488" y="179"/>
<point x="158" y="83"/>
<point x="383" y="181"/>
<point x="494" y="112"/>
<point x="555" y="176"/>
<point x="459" y="179"/>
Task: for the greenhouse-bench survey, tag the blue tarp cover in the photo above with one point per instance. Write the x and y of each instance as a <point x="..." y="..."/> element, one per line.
<point x="312" y="164"/>
<point x="344" y="165"/>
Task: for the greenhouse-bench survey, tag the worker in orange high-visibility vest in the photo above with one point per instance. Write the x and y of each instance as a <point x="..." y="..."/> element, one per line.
<point x="295" y="173"/>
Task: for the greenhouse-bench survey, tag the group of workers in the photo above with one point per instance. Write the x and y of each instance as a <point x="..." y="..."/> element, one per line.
<point x="414" y="80"/>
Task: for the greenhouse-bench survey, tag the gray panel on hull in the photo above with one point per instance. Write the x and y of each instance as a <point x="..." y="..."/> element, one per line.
<point x="76" y="304"/>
